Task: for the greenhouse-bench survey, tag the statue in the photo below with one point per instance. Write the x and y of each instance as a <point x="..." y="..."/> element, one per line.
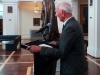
<point x="48" y="16"/>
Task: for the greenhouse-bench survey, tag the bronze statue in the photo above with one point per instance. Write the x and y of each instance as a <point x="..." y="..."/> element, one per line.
<point x="49" y="34"/>
<point x="48" y="16"/>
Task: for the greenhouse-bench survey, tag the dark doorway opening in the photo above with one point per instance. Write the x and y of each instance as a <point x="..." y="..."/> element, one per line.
<point x="1" y="26"/>
<point x="84" y="18"/>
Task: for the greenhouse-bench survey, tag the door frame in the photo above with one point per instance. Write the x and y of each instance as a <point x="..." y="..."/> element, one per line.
<point x="81" y="16"/>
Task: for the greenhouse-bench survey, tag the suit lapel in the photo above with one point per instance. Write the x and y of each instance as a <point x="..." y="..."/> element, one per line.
<point x="67" y="23"/>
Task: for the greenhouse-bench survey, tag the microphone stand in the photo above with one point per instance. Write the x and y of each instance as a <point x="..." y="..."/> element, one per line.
<point x="44" y="39"/>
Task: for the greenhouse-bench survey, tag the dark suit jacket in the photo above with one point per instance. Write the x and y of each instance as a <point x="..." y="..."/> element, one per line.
<point x="71" y="49"/>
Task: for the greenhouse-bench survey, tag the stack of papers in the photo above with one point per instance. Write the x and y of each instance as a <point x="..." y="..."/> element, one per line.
<point x="44" y="45"/>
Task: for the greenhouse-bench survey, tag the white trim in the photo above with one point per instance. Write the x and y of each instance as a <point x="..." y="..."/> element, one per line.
<point x="93" y="52"/>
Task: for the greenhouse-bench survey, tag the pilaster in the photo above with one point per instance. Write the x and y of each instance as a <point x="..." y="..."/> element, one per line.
<point x="93" y="29"/>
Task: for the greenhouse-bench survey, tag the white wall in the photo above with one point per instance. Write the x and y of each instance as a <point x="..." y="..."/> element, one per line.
<point x="26" y="22"/>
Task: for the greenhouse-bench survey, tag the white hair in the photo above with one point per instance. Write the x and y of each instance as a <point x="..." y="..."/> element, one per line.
<point x="66" y="7"/>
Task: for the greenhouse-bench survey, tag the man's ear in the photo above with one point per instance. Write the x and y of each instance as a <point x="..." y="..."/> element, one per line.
<point x="63" y="13"/>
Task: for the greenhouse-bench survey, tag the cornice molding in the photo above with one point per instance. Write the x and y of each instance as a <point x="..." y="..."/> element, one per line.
<point x="31" y="0"/>
<point x="10" y="1"/>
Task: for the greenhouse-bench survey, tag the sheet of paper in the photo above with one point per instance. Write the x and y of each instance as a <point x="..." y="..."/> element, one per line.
<point x="44" y="45"/>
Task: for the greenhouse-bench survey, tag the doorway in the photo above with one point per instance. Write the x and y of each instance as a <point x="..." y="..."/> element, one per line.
<point x="1" y="26"/>
<point x="84" y="18"/>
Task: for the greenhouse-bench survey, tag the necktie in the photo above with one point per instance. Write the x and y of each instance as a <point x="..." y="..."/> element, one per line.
<point x="63" y="27"/>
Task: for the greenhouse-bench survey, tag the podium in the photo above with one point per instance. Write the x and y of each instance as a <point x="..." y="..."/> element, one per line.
<point x="43" y="65"/>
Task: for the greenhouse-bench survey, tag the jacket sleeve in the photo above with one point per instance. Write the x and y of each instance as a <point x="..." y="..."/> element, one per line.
<point x="57" y="44"/>
<point x="65" y="44"/>
<point x="50" y="52"/>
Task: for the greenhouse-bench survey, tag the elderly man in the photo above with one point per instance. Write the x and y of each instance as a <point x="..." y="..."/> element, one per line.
<point x="71" y="44"/>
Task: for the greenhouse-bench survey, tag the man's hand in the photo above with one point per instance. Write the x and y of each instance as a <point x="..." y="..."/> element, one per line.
<point x="34" y="48"/>
<point x="53" y="42"/>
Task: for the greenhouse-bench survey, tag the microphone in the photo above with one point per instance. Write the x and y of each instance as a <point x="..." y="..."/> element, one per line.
<point x="43" y="28"/>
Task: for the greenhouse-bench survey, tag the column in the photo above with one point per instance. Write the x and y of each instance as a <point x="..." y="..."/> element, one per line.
<point x="10" y="17"/>
<point x="94" y="29"/>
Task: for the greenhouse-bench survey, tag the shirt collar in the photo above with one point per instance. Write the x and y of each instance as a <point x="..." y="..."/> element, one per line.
<point x="67" y="20"/>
